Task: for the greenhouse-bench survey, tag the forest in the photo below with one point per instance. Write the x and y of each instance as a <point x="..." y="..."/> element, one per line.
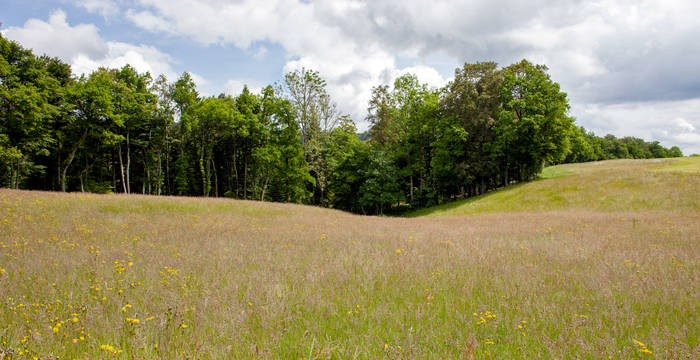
<point x="121" y="131"/>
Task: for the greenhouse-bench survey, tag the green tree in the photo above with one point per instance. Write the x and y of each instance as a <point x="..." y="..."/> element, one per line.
<point x="184" y="95"/>
<point x="534" y="122"/>
<point x="316" y="115"/>
<point x="92" y="116"/>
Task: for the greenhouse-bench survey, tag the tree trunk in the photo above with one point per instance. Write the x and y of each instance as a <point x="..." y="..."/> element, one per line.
<point x="216" y="178"/>
<point x="58" y="162"/>
<point x="168" y="188"/>
<point x="235" y="170"/>
<point x="262" y="195"/>
<point x="19" y="173"/>
<point x="245" y="177"/>
<point x="160" y="174"/>
<point x="70" y="160"/>
<point x="128" y="164"/>
<point x="121" y="169"/>
<point x="202" y="173"/>
<point x="12" y="176"/>
<point x="148" y="177"/>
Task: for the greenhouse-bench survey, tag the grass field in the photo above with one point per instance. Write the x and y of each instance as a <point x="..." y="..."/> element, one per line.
<point x="594" y="261"/>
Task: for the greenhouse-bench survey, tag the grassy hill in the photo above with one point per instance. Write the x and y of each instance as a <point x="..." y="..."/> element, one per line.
<point x="606" y="186"/>
<point x="594" y="261"/>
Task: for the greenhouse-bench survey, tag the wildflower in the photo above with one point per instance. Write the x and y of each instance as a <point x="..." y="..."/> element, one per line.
<point x="132" y="320"/>
<point x="183" y="325"/>
<point x="109" y="349"/>
<point x="398" y="251"/>
<point x="642" y="347"/>
<point x="75" y="319"/>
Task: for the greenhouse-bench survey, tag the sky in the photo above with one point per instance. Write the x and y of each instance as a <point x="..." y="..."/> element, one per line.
<point x="630" y="68"/>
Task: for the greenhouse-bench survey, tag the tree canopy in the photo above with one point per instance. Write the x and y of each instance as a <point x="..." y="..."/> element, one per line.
<point x="121" y="131"/>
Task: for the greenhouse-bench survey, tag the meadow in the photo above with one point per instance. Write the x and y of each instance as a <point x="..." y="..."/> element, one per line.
<point x="593" y="261"/>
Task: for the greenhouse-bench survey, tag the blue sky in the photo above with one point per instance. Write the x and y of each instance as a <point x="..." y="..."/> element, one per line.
<point x="629" y="67"/>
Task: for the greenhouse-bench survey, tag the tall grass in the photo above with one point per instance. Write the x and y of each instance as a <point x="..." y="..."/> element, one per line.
<point x="606" y="186"/>
<point x="115" y="277"/>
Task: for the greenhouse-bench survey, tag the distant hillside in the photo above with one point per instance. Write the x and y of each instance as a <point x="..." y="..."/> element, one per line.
<point x="610" y="186"/>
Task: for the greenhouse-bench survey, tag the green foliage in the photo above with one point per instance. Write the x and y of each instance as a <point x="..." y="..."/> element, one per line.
<point x="588" y="147"/>
<point x="118" y="130"/>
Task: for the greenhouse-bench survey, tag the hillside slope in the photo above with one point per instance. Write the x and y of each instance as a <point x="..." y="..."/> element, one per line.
<point x="607" y="186"/>
<point x="141" y="277"/>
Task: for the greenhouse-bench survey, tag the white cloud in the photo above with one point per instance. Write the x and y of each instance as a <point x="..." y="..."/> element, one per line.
<point x="669" y="122"/>
<point x="619" y="61"/>
<point x="106" y="8"/>
<point x="84" y="49"/>
<point x="684" y="125"/>
<point x="146" y="20"/>
<point x="234" y="87"/>
<point x="425" y="74"/>
<point x="57" y="38"/>
<point x="351" y="68"/>
<point x="143" y="58"/>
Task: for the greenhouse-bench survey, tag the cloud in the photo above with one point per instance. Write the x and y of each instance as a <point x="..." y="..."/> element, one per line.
<point x="619" y="61"/>
<point x="84" y="49"/>
<point x="425" y="74"/>
<point x="234" y="87"/>
<point x="601" y="52"/>
<point x="146" y="20"/>
<point x="350" y="65"/>
<point x="57" y="38"/>
<point x="669" y="122"/>
<point x="143" y="58"/>
<point x="106" y="8"/>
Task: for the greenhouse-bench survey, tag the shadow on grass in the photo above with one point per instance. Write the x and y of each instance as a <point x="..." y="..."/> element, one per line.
<point x="548" y="173"/>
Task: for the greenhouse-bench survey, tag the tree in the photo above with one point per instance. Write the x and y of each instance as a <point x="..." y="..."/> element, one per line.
<point x="92" y="115"/>
<point x="184" y="95"/>
<point x="28" y="106"/>
<point x="401" y="118"/>
<point x="284" y="156"/>
<point x="534" y="121"/>
<point x="316" y="115"/>
<point x="207" y="122"/>
<point x="473" y="100"/>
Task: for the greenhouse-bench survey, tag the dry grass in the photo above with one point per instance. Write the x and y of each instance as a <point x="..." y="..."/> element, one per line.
<point x="254" y="280"/>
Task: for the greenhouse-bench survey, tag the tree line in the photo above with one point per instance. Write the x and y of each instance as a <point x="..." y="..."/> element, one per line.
<point x="121" y="131"/>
